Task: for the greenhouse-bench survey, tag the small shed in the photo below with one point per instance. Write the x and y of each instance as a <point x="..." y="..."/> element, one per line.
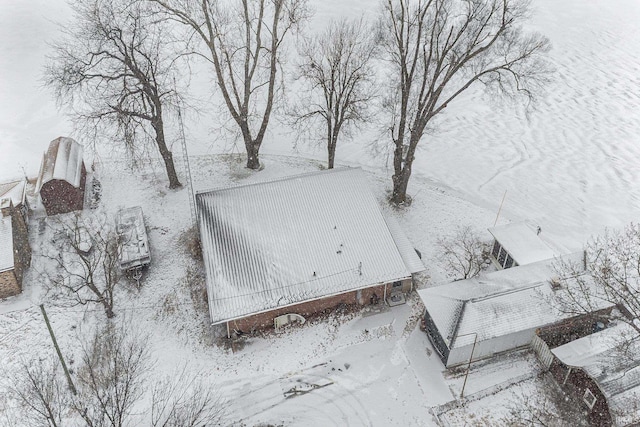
<point x="603" y="371"/>
<point x="15" y="251"/>
<point x="61" y="181"/>
<point x="133" y="242"/>
<point x="299" y="245"/>
<point x="516" y="244"/>
<point x="477" y="318"/>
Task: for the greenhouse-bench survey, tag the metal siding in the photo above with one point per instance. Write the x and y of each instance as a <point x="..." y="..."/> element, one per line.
<point x="62" y="161"/>
<point x="6" y="244"/>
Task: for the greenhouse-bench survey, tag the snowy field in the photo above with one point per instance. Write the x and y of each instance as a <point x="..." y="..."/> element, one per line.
<point x="570" y="165"/>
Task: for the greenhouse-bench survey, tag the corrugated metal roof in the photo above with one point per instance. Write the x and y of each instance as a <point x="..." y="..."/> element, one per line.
<point x="278" y="243"/>
<point x="406" y="249"/>
<point x="63" y="161"/>
<point x="615" y="368"/>
<point x="6" y="244"/>
<point x="522" y="243"/>
<point x="15" y="191"/>
<point x="500" y="303"/>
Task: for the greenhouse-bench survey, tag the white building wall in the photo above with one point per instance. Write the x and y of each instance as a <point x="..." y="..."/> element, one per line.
<point x="488" y="348"/>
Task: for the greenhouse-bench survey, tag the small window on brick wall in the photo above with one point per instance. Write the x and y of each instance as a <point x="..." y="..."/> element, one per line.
<point x="589" y="398"/>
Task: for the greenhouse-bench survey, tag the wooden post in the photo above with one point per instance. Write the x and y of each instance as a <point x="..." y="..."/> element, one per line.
<point x="55" y="344"/>
<point x="464" y="384"/>
<point x="499" y="209"/>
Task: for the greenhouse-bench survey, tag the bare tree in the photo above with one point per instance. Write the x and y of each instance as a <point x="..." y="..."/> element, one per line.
<point x="546" y="406"/>
<point x="244" y="42"/>
<point x="338" y="81"/>
<point x="114" y="69"/>
<point x="608" y="275"/>
<point x="40" y="389"/>
<point x="112" y="382"/>
<point x="87" y="262"/>
<point x="111" y="378"/>
<point x="183" y="400"/>
<point x="440" y="48"/>
<point x="464" y="255"/>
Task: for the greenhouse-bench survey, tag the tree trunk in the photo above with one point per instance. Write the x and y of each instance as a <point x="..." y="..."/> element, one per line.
<point x="158" y="127"/>
<point x="108" y="310"/>
<point x="332" y="139"/>
<point x="252" y="155"/>
<point x="332" y="156"/>
<point x="402" y="173"/>
<point x="400" y="183"/>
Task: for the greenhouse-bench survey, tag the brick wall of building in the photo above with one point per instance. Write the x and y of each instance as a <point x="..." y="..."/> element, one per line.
<point x="9" y="285"/>
<point x="21" y="246"/>
<point x="359" y="297"/>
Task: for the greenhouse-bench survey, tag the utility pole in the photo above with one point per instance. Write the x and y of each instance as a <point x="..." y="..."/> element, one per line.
<point x="55" y="344"/>
<point x="187" y="166"/>
<point x="466" y="375"/>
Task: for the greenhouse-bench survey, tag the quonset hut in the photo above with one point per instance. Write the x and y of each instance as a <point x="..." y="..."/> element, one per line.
<point x="62" y="177"/>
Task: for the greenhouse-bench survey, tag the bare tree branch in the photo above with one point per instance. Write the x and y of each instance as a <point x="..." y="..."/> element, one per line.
<point x="86" y="261"/>
<point x="243" y="42"/>
<point x="610" y="274"/>
<point x="41" y="390"/>
<point x="338" y="82"/>
<point x="114" y="69"/>
<point x="440" y="48"/>
<point x="464" y="255"/>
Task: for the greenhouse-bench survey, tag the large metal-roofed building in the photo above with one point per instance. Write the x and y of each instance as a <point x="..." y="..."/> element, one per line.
<point x="300" y="245"/>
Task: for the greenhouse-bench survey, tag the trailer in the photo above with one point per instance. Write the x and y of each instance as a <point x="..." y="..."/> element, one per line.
<point x="133" y="243"/>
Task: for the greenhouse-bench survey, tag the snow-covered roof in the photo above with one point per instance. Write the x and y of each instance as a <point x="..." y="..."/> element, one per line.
<point x="613" y="366"/>
<point x="132" y="236"/>
<point x="63" y="161"/>
<point x="522" y="243"/>
<point x="6" y="244"/>
<point x="406" y="249"/>
<point x="305" y="237"/>
<point x="497" y="304"/>
<point x="16" y="191"/>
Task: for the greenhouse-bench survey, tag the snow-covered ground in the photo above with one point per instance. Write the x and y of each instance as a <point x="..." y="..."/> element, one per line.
<point x="370" y="368"/>
<point x="570" y="166"/>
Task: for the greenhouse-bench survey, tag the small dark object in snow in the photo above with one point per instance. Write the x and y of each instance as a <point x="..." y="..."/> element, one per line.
<point x="347" y="365"/>
<point x="333" y="369"/>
